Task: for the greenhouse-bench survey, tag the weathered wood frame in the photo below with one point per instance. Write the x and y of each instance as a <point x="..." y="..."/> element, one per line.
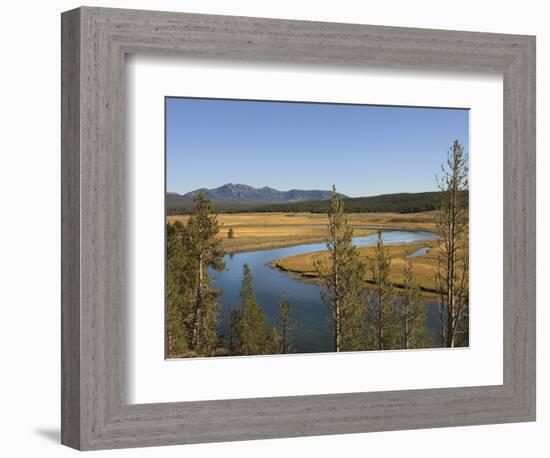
<point x="95" y="414"/>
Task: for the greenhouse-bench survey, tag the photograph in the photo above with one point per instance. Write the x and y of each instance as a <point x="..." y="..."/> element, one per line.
<point x="307" y="227"/>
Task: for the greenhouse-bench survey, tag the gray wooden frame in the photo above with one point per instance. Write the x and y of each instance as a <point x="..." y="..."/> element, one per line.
<point x="95" y="413"/>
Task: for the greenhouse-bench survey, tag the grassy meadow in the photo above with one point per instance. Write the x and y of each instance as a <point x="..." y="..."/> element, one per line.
<point x="424" y="266"/>
<point x="261" y="231"/>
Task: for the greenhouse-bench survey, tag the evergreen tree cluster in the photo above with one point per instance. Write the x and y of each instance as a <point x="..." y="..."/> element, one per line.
<point x="363" y="317"/>
<point x="192" y="304"/>
<point x="376" y="319"/>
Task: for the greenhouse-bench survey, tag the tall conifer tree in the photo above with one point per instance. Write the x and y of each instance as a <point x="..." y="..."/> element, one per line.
<point x="285" y="327"/>
<point x="343" y="276"/>
<point x="179" y="291"/>
<point x="452" y="273"/>
<point x="252" y="324"/>
<point x="383" y="317"/>
<point x="234" y="342"/>
<point x="205" y="252"/>
<point x="413" y="310"/>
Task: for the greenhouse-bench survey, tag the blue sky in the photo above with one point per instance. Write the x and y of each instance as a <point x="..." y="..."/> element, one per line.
<point x="363" y="150"/>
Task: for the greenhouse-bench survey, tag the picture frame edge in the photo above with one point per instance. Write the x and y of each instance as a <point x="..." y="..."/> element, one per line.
<point x="94" y="412"/>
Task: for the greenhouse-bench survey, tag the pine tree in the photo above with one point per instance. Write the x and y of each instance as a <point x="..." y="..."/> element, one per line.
<point x="285" y="327"/>
<point x="253" y="323"/>
<point x="462" y="333"/>
<point x="413" y="310"/>
<point x="205" y="252"/>
<point x="272" y="342"/>
<point x="452" y="273"/>
<point x="382" y="314"/>
<point x="235" y="341"/>
<point x="179" y="292"/>
<point x="343" y="275"/>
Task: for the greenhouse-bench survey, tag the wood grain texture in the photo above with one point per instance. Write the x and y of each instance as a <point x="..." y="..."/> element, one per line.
<point x="70" y="229"/>
<point x="95" y="411"/>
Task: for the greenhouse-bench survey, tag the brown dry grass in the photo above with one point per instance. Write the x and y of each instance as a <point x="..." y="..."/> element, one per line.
<point x="259" y="231"/>
<point x="424" y="266"/>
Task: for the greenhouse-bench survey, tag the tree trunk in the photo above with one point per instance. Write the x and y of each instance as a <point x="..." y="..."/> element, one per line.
<point x="406" y="314"/>
<point x="197" y="340"/>
<point x="336" y="280"/>
<point x="380" y="315"/>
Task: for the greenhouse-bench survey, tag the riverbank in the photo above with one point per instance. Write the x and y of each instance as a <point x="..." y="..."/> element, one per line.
<point x="308" y="308"/>
<point x="424" y="264"/>
<point x="264" y="231"/>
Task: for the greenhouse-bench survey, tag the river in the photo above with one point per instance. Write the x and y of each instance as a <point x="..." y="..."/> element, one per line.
<point x="312" y="332"/>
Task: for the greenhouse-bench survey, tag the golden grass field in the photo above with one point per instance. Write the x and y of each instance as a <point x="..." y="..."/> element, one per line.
<point x="424" y="266"/>
<point x="260" y="231"/>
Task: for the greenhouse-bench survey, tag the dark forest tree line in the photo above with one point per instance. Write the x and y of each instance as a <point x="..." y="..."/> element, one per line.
<point x="395" y="203"/>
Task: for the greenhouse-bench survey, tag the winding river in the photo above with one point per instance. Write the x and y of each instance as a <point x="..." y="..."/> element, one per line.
<point x="312" y="333"/>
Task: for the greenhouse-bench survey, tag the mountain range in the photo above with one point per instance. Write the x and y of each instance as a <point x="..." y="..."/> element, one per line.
<point x="237" y="198"/>
<point x="242" y="193"/>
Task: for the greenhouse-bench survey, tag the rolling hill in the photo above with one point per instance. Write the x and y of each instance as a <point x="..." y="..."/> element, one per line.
<point x="232" y="198"/>
<point x="241" y="196"/>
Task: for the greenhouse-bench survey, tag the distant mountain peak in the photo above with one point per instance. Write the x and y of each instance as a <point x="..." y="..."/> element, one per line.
<point x="237" y="192"/>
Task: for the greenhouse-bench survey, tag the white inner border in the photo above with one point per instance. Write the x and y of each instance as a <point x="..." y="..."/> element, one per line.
<point x="153" y="379"/>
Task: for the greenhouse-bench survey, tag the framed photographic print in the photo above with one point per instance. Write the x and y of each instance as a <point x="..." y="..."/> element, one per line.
<point x="286" y="228"/>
